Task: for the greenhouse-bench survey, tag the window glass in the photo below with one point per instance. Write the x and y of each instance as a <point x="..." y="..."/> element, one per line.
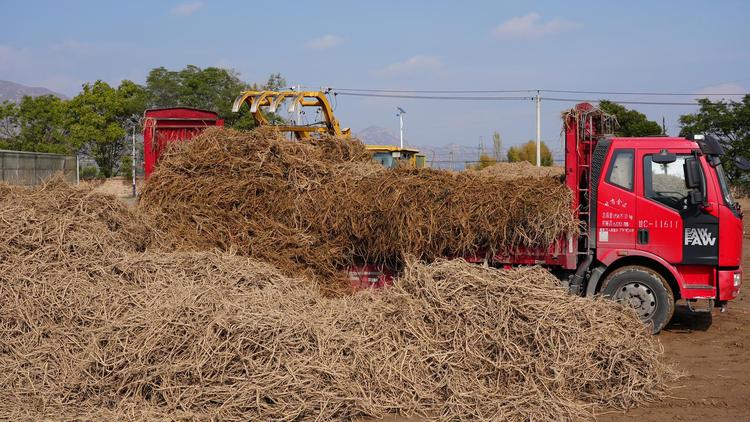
<point x="725" y="192"/>
<point x="665" y="183"/>
<point x="384" y="158"/>
<point x="620" y="172"/>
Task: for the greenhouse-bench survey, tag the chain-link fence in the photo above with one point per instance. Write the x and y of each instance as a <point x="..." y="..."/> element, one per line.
<point x="31" y="168"/>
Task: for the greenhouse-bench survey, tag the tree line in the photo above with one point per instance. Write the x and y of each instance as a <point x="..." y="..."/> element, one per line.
<point x="98" y="121"/>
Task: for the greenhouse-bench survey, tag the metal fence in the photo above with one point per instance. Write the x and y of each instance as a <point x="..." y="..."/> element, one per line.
<point x="32" y="168"/>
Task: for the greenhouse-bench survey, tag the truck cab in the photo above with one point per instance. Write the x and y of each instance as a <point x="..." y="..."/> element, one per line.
<point x="659" y="221"/>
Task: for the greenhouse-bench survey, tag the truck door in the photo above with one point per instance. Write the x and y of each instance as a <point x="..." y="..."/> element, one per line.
<point x="668" y="224"/>
<point x="616" y="202"/>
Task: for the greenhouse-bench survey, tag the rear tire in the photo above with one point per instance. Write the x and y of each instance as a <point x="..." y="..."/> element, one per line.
<point x="643" y="289"/>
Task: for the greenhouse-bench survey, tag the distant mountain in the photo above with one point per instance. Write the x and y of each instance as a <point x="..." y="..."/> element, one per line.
<point x="13" y="92"/>
<point x="376" y="135"/>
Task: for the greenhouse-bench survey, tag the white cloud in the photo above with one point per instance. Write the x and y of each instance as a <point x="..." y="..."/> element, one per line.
<point x="716" y="92"/>
<point x="324" y="42"/>
<point x="412" y="66"/>
<point x="532" y="27"/>
<point x="187" y="9"/>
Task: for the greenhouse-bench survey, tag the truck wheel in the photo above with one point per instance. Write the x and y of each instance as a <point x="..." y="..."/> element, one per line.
<point x="645" y="291"/>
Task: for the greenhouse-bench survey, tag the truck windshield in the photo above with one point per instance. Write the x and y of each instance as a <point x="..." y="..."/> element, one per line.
<point x="725" y="192"/>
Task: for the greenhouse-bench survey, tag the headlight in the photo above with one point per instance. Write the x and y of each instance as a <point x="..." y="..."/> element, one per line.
<point x="737" y="279"/>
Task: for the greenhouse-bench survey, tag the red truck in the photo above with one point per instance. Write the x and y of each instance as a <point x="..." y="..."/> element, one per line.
<point x="658" y="220"/>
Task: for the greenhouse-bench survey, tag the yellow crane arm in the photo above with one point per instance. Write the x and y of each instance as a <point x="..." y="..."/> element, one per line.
<point x="257" y="100"/>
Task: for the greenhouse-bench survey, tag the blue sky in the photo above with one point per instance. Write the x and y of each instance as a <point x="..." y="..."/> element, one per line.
<point x="675" y="46"/>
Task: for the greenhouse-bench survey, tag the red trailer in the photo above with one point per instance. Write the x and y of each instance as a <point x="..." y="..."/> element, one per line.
<point x="165" y="125"/>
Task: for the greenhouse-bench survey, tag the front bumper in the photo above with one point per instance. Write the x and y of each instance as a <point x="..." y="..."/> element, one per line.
<point x="730" y="282"/>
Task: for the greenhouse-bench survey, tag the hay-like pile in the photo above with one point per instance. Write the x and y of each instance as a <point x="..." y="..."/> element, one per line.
<point x="93" y="327"/>
<point x="315" y="207"/>
<point x="520" y="170"/>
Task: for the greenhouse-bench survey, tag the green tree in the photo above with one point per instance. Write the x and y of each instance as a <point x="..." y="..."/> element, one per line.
<point x="211" y="88"/>
<point x="8" y="124"/>
<point x="34" y="124"/>
<point x="485" y="160"/>
<point x="100" y="119"/>
<point x="630" y="122"/>
<point x="275" y="82"/>
<point x="527" y="152"/>
<point x="729" y="121"/>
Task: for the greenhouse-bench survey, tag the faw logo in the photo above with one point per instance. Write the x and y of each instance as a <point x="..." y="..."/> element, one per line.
<point x="699" y="237"/>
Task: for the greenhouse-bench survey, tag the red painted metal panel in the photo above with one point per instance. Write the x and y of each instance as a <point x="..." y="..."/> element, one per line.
<point x="167" y="125"/>
<point x="370" y="276"/>
<point x="728" y="290"/>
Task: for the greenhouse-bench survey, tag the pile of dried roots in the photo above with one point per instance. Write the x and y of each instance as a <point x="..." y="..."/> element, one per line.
<point x="314" y="207"/>
<point x="520" y="170"/>
<point x="92" y="327"/>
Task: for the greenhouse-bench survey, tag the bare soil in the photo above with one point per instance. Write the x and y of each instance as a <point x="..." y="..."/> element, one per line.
<point x="118" y="186"/>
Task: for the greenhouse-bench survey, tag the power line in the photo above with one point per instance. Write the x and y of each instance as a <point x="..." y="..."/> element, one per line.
<point x="512" y="98"/>
<point x="578" y="100"/>
<point x="664" y="94"/>
<point x="558" y="91"/>
<point x="449" y="91"/>
<point x="436" y="97"/>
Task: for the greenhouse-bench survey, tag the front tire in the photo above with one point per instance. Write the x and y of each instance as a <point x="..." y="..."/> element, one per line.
<point x="644" y="290"/>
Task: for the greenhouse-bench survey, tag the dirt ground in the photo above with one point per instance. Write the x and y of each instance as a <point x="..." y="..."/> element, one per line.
<point x="120" y="187"/>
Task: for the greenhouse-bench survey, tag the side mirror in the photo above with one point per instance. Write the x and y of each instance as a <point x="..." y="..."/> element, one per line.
<point x="692" y="173"/>
<point x="742" y="163"/>
<point x="664" y="157"/>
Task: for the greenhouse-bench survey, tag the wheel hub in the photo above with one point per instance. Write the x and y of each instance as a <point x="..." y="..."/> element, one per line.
<point x="639" y="297"/>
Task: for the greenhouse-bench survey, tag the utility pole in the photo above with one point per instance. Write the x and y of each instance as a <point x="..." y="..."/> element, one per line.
<point x="400" y="113"/>
<point x="132" y="163"/>
<point x="450" y="158"/>
<point x="299" y="107"/>
<point x="538" y="129"/>
<point x="663" y="126"/>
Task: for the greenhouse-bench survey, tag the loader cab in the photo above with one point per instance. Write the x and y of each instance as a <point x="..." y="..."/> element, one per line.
<point x="392" y="156"/>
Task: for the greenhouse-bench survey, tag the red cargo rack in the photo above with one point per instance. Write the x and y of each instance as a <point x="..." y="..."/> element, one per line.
<point x="165" y="125"/>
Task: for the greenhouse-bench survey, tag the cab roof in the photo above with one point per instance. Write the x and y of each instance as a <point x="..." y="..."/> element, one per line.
<point x="654" y="142"/>
<point x="390" y="148"/>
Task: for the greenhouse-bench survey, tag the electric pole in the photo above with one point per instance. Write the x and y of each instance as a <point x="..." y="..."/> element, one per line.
<point x="538" y="130"/>
<point x="132" y="163"/>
